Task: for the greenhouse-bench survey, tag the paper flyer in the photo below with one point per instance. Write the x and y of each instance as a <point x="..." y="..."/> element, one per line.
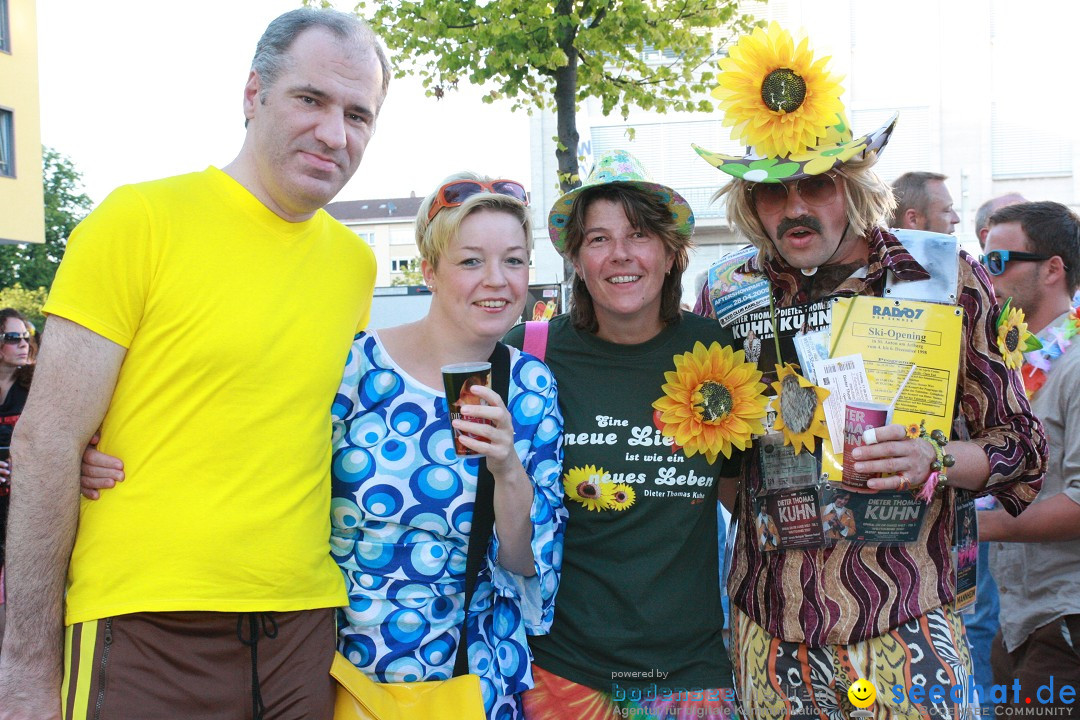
<point x="891" y="336"/>
<point x="788" y="519"/>
<point x="966" y="551"/>
<point x="753" y="332"/>
<point x="881" y="517"/>
<point x="828" y="514"/>
<point x="781" y="467"/>
<point x="845" y="379"/>
<point x="733" y="293"/>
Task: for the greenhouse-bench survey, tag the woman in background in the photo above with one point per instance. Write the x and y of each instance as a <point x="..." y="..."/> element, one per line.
<point x="16" y="371"/>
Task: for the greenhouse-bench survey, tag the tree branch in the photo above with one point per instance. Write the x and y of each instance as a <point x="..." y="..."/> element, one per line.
<point x="600" y="15"/>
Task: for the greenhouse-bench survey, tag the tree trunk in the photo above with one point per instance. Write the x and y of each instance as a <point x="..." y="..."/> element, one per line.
<point x="566" y="112"/>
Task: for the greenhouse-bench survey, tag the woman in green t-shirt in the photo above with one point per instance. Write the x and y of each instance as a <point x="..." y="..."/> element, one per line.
<point x="653" y="401"/>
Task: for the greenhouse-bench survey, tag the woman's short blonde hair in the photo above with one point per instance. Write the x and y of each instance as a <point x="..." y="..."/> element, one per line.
<point x="432" y="238"/>
<point x="869" y="201"/>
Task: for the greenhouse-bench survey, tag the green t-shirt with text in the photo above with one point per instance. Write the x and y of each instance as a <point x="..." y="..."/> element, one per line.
<point x="639" y="601"/>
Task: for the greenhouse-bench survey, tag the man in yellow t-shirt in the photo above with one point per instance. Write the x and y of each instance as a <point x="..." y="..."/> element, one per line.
<point x="201" y="321"/>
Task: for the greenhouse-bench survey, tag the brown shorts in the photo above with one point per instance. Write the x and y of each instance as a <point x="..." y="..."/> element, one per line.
<point x="206" y="665"/>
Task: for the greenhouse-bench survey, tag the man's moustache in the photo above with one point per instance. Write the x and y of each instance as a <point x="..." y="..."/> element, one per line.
<point x="806" y="221"/>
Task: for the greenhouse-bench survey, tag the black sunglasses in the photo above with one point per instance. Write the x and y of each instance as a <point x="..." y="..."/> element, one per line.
<point x="14" y="338"/>
<point x="995" y="261"/>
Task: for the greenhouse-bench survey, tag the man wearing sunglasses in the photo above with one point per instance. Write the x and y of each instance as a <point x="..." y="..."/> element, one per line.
<point x="982" y="624"/>
<point x="201" y="322"/>
<point x="1033" y="255"/>
<point x="815" y="212"/>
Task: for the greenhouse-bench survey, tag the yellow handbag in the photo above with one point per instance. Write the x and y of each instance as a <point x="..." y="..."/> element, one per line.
<point x="361" y="698"/>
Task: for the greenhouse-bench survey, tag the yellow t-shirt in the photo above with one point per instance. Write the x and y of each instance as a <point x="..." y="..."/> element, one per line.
<point x="237" y="325"/>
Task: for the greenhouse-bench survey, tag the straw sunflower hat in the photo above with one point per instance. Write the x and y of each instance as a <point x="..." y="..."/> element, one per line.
<point x="618" y="166"/>
<point x="785" y="106"/>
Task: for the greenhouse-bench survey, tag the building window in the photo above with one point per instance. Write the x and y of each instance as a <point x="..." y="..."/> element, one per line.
<point x="5" y="34"/>
<point x="368" y="237"/>
<point x="403" y="264"/>
<point x="1021" y="149"/>
<point x="7" y="144"/>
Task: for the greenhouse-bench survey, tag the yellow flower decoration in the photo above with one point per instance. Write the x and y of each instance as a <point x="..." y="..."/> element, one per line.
<point x="776" y="97"/>
<point x="622" y="497"/>
<point x="822" y="159"/>
<point x="1013" y="335"/>
<point x="587" y="486"/>
<point x="712" y="401"/>
<point x="800" y="413"/>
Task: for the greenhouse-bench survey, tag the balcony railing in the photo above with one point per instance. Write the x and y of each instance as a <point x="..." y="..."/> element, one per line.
<point x="699" y="199"/>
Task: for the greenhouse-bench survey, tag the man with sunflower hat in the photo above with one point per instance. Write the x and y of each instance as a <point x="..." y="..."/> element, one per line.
<point x="808" y="621"/>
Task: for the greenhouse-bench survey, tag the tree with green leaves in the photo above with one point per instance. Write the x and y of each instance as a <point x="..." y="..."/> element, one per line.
<point x="34" y="265"/>
<point x="28" y="302"/>
<point x="653" y="54"/>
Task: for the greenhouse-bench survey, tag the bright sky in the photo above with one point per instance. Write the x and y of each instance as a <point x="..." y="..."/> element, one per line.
<point x="132" y="91"/>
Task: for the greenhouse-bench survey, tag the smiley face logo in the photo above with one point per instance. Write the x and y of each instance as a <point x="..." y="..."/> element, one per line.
<point x="861" y="693"/>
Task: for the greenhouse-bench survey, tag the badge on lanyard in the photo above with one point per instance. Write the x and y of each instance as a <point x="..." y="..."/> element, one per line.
<point x="966" y="551"/>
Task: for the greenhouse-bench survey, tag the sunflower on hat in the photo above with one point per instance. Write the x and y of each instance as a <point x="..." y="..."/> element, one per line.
<point x="785" y="106"/>
<point x="778" y="99"/>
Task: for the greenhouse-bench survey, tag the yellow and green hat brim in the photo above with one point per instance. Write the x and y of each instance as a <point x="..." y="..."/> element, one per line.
<point x="836" y="148"/>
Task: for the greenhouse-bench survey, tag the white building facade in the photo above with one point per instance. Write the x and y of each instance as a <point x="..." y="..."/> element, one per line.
<point x="985" y="90"/>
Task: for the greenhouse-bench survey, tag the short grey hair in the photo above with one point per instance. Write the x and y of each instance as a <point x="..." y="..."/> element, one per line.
<point x="911" y="193"/>
<point x="988" y="208"/>
<point x="272" y="52"/>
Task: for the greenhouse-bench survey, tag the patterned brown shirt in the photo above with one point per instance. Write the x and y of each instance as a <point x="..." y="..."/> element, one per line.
<point x="852" y="592"/>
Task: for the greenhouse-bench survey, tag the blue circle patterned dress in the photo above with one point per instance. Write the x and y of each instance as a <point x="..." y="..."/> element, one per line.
<point x="401" y="514"/>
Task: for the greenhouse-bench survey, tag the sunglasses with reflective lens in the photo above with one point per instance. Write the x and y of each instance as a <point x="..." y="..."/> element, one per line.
<point x="14" y="338"/>
<point x="995" y="261"/>
<point x="815" y="190"/>
<point x="454" y="193"/>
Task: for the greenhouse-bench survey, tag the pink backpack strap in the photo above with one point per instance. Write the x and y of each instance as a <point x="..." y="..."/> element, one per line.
<point x="536" y="336"/>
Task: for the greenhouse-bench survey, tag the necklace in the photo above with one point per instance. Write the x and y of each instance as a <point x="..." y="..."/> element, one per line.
<point x="1055" y="339"/>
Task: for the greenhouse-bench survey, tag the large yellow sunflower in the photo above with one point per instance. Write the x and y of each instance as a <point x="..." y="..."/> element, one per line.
<point x="587" y="486"/>
<point x="712" y="401"/>
<point x="1013" y="337"/>
<point x="776" y="97"/>
<point x="800" y="413"/>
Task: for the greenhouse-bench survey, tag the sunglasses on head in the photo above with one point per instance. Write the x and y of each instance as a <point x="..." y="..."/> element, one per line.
<point x="454" y="193"/>
<point x="815" y="190"/>
<point x="14" y="338"/>
<point x="995" y="261"/>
